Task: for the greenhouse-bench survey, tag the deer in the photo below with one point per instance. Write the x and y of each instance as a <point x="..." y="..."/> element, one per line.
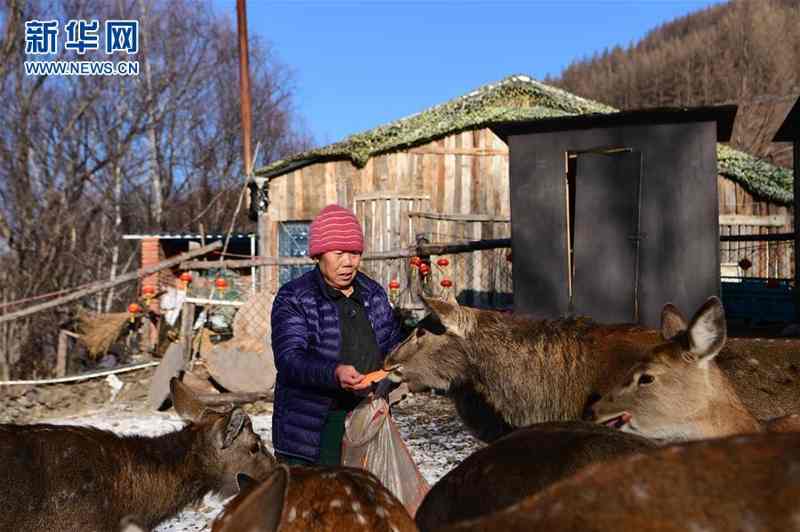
<point x="83" y="478"/>
<point x="519" y="465"/>
<point x="505" y="371"/>
<point x="743" y="482"/>
<point x="678" y="392"/>
<point x="303" y="498"/>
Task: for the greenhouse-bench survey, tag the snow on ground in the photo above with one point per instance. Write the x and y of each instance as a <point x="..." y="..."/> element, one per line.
<point x="430" y="427"/>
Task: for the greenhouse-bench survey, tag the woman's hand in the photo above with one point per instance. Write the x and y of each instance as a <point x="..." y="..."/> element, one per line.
<point x="348" y="376"/>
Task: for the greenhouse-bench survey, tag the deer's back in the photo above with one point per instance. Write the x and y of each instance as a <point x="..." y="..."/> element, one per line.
<point x="519" y="465"/>
<point x="740" y="483"/>
<point x="52" y="475"/>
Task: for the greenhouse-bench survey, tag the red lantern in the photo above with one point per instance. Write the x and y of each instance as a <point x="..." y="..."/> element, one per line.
<point x="186" y="277"/>
<point x="134" y="308"/>
<point x="424" y="269"/>
<point x="508" y="257"/>
<point x="446" y="283"/>
<point x="149" y="291"/>
<point x="415" y="261"/>
<point x="221" y="283"/>
<point x="443" y="262"/>
<point x="394" y="284"/>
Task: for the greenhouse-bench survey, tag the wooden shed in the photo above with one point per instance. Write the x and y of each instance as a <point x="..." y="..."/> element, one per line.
<point x="443" y="174"/>
<point x="616" y="214"/>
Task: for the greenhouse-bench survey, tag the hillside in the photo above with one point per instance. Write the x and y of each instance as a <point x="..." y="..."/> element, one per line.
<point x="745" y="52"/>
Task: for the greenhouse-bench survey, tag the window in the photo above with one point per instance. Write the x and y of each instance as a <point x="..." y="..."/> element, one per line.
<point x="293" y="242"/>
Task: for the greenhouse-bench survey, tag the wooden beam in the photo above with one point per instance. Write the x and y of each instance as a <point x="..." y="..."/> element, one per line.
<point x="103" y="285"/>
<point x="219" y="399"/>
<point x="771" y="220"/>
<point x="480" y="152"/>
<point x="459" y="217"/>
<point x="286" y="261"/>
<point x="473" y="245"/>
<point x="775" y="237"/>
<point x="187" y="321"/>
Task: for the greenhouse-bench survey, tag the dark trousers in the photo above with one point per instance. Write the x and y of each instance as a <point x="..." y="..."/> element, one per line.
<point x="330" y="452"/>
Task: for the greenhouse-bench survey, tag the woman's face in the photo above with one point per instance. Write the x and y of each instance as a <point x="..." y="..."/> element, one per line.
<point x="339" y="268"/>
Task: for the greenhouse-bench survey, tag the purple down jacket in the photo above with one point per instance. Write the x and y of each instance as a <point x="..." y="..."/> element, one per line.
<point x="305" y="341"/>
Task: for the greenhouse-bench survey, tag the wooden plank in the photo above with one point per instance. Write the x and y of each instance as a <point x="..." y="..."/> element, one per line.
<point x="389" y="195"/>
<point x="231" y="398"/>
<point x="291" y="203"/>
<point x="331" y="195"/>
<point x="458" y="217"/>
<point x="372" y="176"/>
<point x="61" y="353"/>
<point x="466" y="174"/>
<point x="458" y="189"/>
<point x="472" y="152"/>
<point x="438" y="199"/>
<point x="422" y="179"/>
<point x="759" y="220"/>
<point x="448" y="203"/>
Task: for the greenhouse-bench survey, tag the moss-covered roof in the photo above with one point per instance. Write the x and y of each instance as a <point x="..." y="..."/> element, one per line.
<point x="515" y="98"/>
<point x="760" y="178"/>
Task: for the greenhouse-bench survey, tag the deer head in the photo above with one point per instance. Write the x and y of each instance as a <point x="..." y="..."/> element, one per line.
<point x="678" y="392"/>
<point x="425" y="359"/>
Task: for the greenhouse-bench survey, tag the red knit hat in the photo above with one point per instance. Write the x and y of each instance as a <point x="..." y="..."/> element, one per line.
<point x="335" y="229"/>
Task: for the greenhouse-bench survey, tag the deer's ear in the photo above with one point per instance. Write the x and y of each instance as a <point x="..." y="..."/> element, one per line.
<point x="707" y="330"/>
<point x="261" y="508"/>
<point x="450" y="314"/>
<point x="184" y="401"/>
<point x="271" y="497"/>
<point x="234" y="423"/>
<point x="672" y="322"/>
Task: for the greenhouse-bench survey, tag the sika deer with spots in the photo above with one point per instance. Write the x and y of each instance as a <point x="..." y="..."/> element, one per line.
<point x="318" y="499"/>
<point x="82" y="478"/>
<point x="678" y="392"/>
<point x="733" y="484"/>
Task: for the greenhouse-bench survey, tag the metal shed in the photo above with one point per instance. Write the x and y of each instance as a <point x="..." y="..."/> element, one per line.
<point x="614" y="215"/>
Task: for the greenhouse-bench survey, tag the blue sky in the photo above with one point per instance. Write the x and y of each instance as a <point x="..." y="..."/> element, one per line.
<point x="359" y="64"/>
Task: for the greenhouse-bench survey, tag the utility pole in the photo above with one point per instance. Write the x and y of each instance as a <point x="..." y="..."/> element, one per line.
<point x="263" y="228"/>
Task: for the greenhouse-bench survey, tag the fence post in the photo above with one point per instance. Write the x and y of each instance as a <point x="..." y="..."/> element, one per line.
<point x="61" y="355"/>
<point x="187" y="320"/>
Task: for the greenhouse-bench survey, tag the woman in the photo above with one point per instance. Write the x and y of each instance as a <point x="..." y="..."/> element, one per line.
<point x="329" y="327"/>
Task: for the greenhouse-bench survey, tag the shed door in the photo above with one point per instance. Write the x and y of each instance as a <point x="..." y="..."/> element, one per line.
<point x="606" y="229"/>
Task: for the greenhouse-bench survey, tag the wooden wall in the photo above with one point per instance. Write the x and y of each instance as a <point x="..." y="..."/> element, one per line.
<point x="753" y="217"/>
<point x="464" y="173"/>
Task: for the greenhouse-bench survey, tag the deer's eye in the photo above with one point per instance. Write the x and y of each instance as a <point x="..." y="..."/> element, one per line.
<point x="645" y="378"/>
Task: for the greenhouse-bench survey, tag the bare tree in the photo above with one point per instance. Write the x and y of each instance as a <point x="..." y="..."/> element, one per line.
<point x="74" y="152"/>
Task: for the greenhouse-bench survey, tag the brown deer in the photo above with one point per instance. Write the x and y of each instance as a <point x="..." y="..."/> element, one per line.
<point x="82" y="478"/>
<point x="734" y="484"/>
<point x="504" y="371"/>
<point x="678" y="392"/>
<point x="519" y="465"/>
<point x="300" y="499"/>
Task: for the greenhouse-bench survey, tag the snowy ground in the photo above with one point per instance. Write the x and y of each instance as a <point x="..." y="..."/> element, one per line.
<point x="431" y="429"/>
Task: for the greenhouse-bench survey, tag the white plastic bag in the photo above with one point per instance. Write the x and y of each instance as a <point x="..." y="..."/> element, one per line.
<point x="373" y="442"/>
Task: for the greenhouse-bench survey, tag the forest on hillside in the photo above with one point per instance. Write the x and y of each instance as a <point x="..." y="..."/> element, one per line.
<point x="745" y="52"/>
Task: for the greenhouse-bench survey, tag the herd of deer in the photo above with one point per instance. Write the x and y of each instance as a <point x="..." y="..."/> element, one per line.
<point x="589" y="427"/>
